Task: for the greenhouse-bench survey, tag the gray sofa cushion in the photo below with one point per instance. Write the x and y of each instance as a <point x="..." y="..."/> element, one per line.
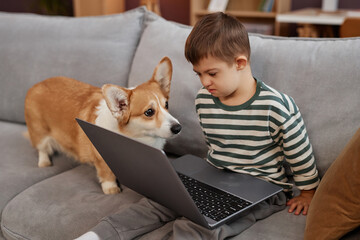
<point x="163" y="38"/>
<point x="62" y="207"/>
<point x="18" y="163"/>
<point x="280" y="226"/>
<point x="322" y="75"/>
<point x="96" y="50"/>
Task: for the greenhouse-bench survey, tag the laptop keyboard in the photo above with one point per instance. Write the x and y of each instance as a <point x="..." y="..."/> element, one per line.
<point x="212" y="202"/>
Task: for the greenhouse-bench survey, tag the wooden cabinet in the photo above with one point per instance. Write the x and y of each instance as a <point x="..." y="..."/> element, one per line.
<point x="247" y="11"/>
<point x="97" y="7"/>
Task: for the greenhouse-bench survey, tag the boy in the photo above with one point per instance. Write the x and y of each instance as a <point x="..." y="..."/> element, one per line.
<point x="249" y="127"/>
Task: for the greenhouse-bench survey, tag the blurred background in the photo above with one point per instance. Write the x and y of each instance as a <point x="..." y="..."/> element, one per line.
<point x="181" y="11"/>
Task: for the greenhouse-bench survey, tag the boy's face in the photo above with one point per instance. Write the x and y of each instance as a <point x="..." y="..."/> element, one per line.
<point x="217" y="76"/>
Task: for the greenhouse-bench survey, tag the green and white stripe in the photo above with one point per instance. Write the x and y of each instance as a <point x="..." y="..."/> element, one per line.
<point x="258" y="136"/>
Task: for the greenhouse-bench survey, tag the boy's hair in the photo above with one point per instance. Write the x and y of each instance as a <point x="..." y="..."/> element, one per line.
<point x="218" y="35"/>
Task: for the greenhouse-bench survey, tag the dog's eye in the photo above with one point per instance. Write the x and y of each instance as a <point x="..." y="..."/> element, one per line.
<point x="167" y="105"/>
<point x="150" y="112"/>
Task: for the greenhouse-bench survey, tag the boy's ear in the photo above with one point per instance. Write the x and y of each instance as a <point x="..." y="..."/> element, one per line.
<point x="163" y="73"/>
<point x="117" y="100"/>
<point x="241" y="62"/>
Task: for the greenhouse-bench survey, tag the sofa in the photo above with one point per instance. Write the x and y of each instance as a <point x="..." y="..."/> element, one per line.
<point x="65" y="200"/>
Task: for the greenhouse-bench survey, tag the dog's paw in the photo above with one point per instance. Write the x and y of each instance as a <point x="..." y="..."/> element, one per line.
<point x="109" y="187"/>
<point x="44" y="160"/>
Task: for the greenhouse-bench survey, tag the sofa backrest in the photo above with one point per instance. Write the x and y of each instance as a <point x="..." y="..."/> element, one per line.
<point x="320" y="74"/>
<point x="163" y="38"/>
<point x="96" y="50"/>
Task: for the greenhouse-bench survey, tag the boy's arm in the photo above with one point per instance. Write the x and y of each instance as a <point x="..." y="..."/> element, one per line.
<point x="301" y="203"/>
<point x="299" y="154"/>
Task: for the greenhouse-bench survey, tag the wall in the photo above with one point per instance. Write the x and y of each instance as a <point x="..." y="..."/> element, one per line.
<point x="344" y="4"/>
<point x="32" y="6"/>
<point x="16" y="6"/>
<point x="174" y="10"/>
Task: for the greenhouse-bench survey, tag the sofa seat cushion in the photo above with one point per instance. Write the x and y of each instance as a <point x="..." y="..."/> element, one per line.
<point x="280" y="226"/>
<point x="96" y="50"/>
<point x="18" y="163"/>
<point x="40" y="212"/>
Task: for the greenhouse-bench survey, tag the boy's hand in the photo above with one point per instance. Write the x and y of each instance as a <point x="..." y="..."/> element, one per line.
<point x="301" y="202"/>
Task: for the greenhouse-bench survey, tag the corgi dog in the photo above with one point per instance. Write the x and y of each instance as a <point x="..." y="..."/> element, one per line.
<point x="52" y="105"/>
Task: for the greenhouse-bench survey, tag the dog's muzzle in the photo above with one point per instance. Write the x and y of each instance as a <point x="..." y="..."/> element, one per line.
<point x="176" y="128"/>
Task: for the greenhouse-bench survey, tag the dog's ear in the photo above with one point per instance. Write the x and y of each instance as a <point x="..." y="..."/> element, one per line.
<point x="162" y="74"/>
<point x="117" y="100"/>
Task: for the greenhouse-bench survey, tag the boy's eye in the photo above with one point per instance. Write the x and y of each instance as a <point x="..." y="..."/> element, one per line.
<point x="150" y="112"/>
<point x="212" y="74"/>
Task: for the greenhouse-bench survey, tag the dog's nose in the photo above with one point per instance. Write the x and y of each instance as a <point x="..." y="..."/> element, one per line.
<point x="176" y="128"/>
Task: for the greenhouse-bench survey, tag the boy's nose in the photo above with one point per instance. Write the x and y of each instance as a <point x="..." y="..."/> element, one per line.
<point x="205" y="82"/>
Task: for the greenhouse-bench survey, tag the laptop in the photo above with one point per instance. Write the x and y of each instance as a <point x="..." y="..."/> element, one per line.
<point x="188" y="185"/>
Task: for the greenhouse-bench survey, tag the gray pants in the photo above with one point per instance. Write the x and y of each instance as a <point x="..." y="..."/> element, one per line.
<point x="149" y="220"/>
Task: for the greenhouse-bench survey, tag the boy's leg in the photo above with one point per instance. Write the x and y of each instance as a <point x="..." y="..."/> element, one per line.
<point x="149" y="220"/>
<point x="131" y="221"/>
<point x="185" y="229"/>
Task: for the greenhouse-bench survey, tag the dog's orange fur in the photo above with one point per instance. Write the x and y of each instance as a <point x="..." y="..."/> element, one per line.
<point x="52" y="105"/>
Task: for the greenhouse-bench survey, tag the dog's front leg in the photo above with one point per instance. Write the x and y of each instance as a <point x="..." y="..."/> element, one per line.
<point x="106" y="177"/>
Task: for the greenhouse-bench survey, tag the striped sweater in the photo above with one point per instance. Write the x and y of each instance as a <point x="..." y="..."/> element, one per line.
<point x="258" y="136"/>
